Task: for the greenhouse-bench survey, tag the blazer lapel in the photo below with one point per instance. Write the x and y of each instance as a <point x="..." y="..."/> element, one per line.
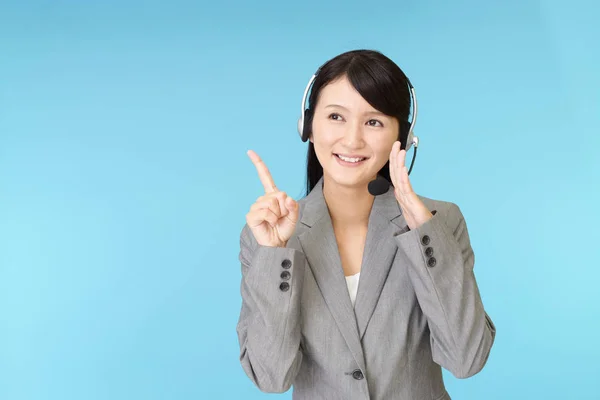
<point x="320" y="248"/>
<point x="385" y="221"/>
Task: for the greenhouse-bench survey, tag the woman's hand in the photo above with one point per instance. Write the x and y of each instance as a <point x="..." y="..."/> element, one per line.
<point x="414" y="211"/>
<point x="272" y="218"/>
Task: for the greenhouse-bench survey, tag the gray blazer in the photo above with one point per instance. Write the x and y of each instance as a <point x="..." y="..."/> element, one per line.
<point x="417" y="308"/>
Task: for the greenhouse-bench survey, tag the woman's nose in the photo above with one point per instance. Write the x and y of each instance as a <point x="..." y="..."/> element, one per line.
<point x="353" y="136"/>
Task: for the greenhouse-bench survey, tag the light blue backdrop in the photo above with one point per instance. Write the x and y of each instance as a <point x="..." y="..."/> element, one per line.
<point x="124" y="181"/>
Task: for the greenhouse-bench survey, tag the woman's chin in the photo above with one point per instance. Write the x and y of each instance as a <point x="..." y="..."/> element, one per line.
<point x="349" y="179"/>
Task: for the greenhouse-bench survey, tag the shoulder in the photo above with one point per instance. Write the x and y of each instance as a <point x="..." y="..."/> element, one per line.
<point x="302" y="202"/>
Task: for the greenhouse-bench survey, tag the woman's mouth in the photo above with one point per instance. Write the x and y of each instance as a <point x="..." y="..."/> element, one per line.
<point x="350" y="161"/>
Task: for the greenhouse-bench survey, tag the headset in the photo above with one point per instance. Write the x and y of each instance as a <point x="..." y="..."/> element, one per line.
<point x="306" y="115"/>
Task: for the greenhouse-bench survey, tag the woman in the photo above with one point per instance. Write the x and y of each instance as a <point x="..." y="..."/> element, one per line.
<point x="304" y="322"/>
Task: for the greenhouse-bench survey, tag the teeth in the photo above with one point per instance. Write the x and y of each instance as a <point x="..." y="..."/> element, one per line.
<point x="348" y="159"/>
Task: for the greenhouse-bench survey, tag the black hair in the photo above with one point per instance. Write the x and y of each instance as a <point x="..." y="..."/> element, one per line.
<point x="378" y="80"/>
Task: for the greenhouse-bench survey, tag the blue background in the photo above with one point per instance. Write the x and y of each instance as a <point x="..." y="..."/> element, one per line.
<point x="124" y="181"/>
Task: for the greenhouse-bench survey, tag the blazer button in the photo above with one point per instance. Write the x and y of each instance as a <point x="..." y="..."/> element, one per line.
<point x="357" y="374"/>
<point x="286" y="264"/>
<point x="285" y="275"/>
<point x="284" y="286"/>
<point x="429" y="252"/>
<point x="425" y="240"/>
<point x="431" y="262"/>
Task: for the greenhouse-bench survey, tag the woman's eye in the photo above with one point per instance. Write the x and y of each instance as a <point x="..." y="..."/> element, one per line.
<point x="334" y="115"/>
<point x="376" y="121"/>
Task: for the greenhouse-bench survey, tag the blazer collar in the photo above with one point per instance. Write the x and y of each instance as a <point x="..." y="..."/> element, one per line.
<point x="385" y="206"/>
<point x="320" y="248"/>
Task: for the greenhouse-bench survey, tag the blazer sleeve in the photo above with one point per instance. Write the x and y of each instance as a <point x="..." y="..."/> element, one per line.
<point x="441" y="270"/>
<point x="269" y="325"/>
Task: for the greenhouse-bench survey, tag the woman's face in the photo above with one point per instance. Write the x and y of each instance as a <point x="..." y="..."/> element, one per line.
<point x="346" y="127"/>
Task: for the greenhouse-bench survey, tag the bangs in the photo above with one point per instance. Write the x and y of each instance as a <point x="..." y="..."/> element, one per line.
<point x="382" y="90"/>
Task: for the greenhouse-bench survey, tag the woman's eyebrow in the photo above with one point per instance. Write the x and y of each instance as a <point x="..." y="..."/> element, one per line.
<point x="368" y="112"/>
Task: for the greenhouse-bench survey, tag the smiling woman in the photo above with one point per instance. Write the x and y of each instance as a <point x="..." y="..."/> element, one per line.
<point x="350" y="295"/>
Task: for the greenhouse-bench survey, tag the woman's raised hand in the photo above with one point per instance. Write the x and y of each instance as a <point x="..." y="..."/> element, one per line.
<point x="272" y="218"/>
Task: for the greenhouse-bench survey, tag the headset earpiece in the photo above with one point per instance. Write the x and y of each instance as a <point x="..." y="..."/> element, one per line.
<point x="305" y="126"/>
<point x="306" y="130"/>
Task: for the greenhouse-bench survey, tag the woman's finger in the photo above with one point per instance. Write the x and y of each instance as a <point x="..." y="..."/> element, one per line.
<point x="263" y="172"/>
<point x="406" y="181"/>
<point x="269" y="203"/>
<point x="280" y="198"/>
<point x="404" y="186"/>
<point x="257" y="217"/>
<point x="292" y="207"/>
<point x="393" y="173"/>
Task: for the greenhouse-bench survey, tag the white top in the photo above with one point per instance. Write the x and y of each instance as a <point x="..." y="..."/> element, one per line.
<point x="352" y="282"/>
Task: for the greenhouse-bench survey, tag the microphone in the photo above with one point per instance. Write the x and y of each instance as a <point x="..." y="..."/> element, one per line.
<point x="379" y="185"/>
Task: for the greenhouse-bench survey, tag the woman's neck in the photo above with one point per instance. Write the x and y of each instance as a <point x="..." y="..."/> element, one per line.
<point x="348" y="206"/>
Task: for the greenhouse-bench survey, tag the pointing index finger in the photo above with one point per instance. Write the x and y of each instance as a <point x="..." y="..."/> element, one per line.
<point x="263" y="172"/>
